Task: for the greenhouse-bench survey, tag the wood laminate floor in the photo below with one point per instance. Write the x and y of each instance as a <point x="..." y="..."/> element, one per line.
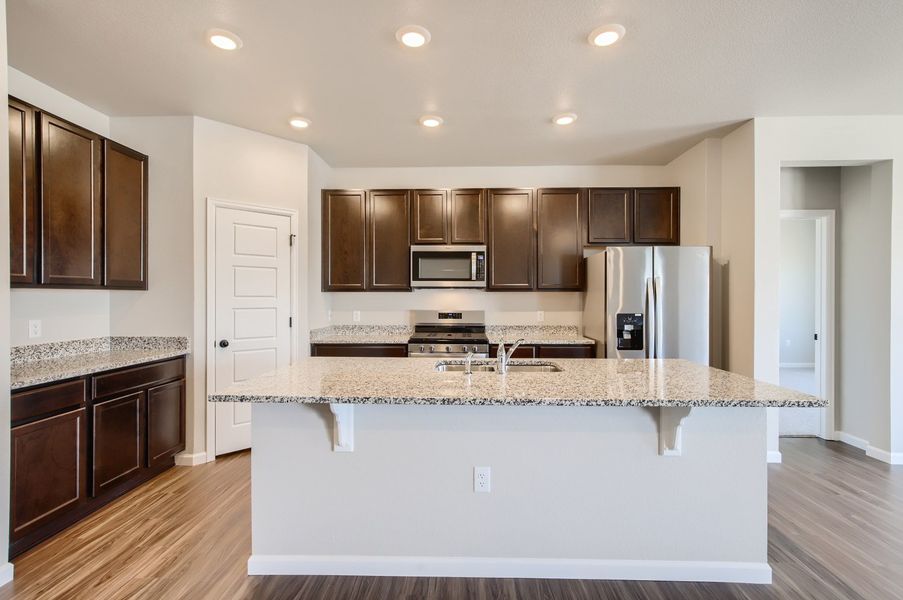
<point x="835" y="532"/>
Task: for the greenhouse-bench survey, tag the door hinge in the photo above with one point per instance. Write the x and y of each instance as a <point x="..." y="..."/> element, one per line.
<point x="289" y="321"/>
<point x="291" y="239"/>
<point x="816" y="337"/>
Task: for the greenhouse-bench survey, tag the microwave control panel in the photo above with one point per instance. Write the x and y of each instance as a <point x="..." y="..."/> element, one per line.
<point x="480" y="270"/>
<point x="630" y="331"/>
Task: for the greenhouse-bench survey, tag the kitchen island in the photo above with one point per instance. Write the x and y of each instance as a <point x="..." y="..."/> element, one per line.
<point x="621" y="469"/>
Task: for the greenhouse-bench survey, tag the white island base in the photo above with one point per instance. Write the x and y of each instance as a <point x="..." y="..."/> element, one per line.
<point x="576" y="492"/>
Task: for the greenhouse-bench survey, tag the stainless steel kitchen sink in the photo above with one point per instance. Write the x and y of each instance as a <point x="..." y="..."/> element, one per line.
<point x="539" y="367"/>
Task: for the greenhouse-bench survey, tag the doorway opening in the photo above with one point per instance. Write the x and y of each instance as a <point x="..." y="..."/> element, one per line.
<point x="807" y="318"/>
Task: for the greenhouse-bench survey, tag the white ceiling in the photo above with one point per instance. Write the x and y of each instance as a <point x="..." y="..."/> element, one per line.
<point x="496" y="70"/>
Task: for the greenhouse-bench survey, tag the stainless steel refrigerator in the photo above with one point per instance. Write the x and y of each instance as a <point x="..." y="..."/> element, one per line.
<point x="650" y="302"/>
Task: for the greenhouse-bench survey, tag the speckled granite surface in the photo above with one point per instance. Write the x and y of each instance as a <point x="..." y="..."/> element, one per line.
<point x="537" y="334"/>
<point x="583" y="382"/>
<point x="399" y="334"/>
<point x="361" y="334"/>
<point x="55" y="361"/>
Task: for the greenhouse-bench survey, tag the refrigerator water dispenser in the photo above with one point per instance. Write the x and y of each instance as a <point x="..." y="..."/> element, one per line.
<point x="630" y="331"/>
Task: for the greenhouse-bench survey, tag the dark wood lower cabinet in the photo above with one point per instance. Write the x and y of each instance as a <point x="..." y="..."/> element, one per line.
<point x="362" y="350"/>
<point x="74" y="449"/>
<point x="165" y="422"/>
<point x="48" y="471"/>
<point x="567" y="351"/>
<point x="117" y="443"/>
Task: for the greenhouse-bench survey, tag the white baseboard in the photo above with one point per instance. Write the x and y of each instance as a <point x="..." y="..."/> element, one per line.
<point x="184" y="459"/>
<point x="6" y="573"/>
<point x="846" y="438"/>
<point x="797" y="365"/>
<point x="891" y="458"/>
<point x="542" y="568"/>
<point x="774" y="457"/>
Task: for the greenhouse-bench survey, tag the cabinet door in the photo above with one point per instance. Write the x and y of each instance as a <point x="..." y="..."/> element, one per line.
<point x="48" y="466"/>
<point x="165" y="422"/>
<point x="467" y="216"/>
<point x="70" y="196"/>
<point x="559" y="220"/>
<point x="429" y="217"/>
<point x="610" y="216"/>
<point x="390" y="246"/>
<point x="512" y="240"/>
<point x="23" y="225"/>
<point x="125" y="217"/>
<point x="344" y="240"/>
<point x="657" y="216"/>
<point x="118" y="441"/>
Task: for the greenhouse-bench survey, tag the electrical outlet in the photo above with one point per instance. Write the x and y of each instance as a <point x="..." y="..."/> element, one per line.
<point x="356" y="316"/>
<point x="34" y="328"/>
<point x="481" y="479"/>
<point x="540" y="316"/>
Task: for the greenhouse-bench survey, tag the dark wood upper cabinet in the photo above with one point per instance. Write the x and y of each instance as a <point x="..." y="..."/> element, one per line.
<point x="118" y="440"/>
<point x="657" y="216"/>
<point x="559" y="219"/>
<point x="390" y="266"/>
<point x="70" y="198"/>
<point x="165" y="422"/>
<point x="467" y="217"/>
<point x="125" y="217"/>
<point x="610" y="216"/>
<point x="429" y="217"/>
<point x="512" y="239"/>
<point x="48" y="471"/>
<point x="344" y="215"/>
<point x="23" y="215"/>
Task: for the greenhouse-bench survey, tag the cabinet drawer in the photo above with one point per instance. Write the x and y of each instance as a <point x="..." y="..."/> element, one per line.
<point x="133" y="378"/>
<point x="363" y="350"/>
<point x="47" y="399"/>
<point x="575" y="351"/>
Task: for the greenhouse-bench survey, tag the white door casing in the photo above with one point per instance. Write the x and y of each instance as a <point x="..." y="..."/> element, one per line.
<point x="250" y="305"/>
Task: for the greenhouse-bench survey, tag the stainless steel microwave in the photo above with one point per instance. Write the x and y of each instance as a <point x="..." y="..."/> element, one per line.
<point x="448" y="266"/>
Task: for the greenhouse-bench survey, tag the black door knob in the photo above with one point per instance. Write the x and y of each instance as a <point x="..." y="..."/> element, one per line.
<point x="224" y="343"/>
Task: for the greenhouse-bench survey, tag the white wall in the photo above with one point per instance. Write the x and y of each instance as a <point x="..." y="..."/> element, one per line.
<point x="863" y="304"/>
<point x="6" y="570"/>
<point x="797" y="292"/>
<point x="828" y="141"/>
<point x="238" y="165"/>
<point x="501" y="308"/>
<point x="65" y="314"/>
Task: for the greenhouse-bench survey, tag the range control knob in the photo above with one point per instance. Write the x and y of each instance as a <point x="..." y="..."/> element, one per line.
<point x="432" y="348"/>
<point x="421" y="349"/>
<point x="448" y="348"/>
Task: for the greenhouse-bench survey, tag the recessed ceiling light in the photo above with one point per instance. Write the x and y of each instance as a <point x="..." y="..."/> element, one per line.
<point x="224" y="40"/>
<point x="565" y="119"/>
<point x="607" y="35"/>
<point x="413" y="36"/>
<point x="299" y="122"/>
<point x="430" y="121"/>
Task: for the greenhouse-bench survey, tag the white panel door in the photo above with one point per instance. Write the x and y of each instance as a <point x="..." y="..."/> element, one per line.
<point x="252" y="310"/>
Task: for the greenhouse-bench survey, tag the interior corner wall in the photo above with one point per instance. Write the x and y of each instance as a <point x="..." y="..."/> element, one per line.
<point x="559" y="308"/>
<point x="238" y="165"/>
<point x="827" y="141"/>
<point x="5" y="566"/>
<point x="65" y="314"/>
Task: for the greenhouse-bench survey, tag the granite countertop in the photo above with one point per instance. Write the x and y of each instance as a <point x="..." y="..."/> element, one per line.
<point x="56" y="361"/>
<point x="558" y="335"/>
<point x="582" y="382"/>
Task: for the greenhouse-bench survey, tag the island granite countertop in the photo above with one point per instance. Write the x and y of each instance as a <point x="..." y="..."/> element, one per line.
<point x="582" y="382"/>
<point x="56" y="361"/>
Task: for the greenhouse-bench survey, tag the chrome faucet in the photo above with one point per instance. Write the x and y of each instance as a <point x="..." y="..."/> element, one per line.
<point x="467" y="360"/>
<point x="503" y="357"/>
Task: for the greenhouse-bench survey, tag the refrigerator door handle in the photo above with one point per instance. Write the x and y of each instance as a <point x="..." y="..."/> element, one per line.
<point x="650" y="318"/>
<point x="659" y="322"/>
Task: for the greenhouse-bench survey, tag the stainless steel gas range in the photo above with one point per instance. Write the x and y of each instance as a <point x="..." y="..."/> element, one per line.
<point x="449" y="334"/>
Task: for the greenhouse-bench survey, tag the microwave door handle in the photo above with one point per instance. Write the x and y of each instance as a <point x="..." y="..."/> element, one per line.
<point x="473" y="266"/>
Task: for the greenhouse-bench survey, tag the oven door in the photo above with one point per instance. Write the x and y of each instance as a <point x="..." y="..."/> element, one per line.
<point x="448" y="266"/>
